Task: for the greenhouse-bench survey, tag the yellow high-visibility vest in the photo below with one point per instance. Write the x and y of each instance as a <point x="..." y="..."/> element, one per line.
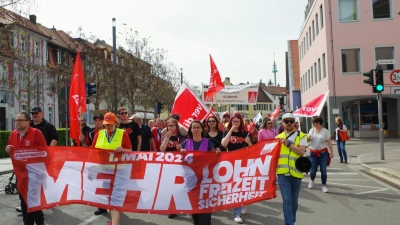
<point x="111" y="144"/>
<point x="287" y="158"/>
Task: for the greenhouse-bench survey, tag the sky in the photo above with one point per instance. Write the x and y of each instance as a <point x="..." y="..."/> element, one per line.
<point x="242" y="36"/>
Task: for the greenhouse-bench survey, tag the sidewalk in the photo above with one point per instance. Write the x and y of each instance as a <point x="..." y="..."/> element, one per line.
<point x="6" y="166"/>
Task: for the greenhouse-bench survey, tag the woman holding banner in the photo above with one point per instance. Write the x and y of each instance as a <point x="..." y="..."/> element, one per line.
<point x="198" y="142"/>
<point x="112" y="139"/>
<point x="236" y="138"/>
<point x="212" y="129"/>
<point x="172" y="141"/>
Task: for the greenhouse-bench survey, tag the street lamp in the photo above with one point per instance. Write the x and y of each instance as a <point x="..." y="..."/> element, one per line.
<point x="114" y="31"/>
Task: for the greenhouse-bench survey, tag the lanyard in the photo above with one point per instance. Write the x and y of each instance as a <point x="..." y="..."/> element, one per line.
<point x="109" y="139"/>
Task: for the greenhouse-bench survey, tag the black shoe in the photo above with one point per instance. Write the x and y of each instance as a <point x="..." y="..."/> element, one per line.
<point x="341" y="161"/>
<point x="171" y="216"/>
<point x="100" y="211"/>
<point x="345" y="161"/>
<point x="18" y="209"/>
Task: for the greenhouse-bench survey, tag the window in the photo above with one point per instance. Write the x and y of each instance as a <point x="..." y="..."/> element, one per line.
<point x="321" y="13"/>
<point x="316" y="24"/>
<point x="307" y="41"/>
<point x="51" y="115"/>
<point x="308" y="79"/>
<point x="59" y="55"/>
<point x="11" y="38"/>
<point x="23" y="43"/>
<point x="350" y="60"/>
<point x="319" y="69"/>
<point x="47" y="54"/>
<point x="24" y="79"/>
<point x="3" y="72"/>
<point x="304" y="46"/>
<point x="309" y="32"/>
<point x="348" y="10"/>
<point x="315" y="72"/>
<point x="385" y="53"/>
<point x="37" y="48"/>
<point x="323" y="65"/>
<point x="312" y="77"/>
<point x="313" y="30"/>
<point x="24" y="107"/>
<point x="301" y="84"/>
<point x="66" y="59"/>
<point x="381" y="9"/>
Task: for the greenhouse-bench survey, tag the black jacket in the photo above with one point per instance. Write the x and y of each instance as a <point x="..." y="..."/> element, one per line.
<point x="48" y="130"/>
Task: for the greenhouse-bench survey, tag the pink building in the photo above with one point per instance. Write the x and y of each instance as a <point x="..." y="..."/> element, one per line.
<point x="341" y="39"/>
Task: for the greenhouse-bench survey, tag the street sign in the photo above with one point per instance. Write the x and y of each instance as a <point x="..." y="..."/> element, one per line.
<point x="394" y="90"/>
<point x="395" y="77"/>
<point x="385" y="61"/>
<point x="335" y="111"/>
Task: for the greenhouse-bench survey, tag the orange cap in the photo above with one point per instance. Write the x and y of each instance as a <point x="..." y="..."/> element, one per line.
<point x="109" y="118"/>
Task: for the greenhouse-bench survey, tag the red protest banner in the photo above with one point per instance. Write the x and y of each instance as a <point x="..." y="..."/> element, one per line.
<point x="151" y="182"/>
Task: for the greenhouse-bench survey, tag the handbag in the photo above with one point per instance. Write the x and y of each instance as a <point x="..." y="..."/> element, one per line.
<point x="344" y="136"/>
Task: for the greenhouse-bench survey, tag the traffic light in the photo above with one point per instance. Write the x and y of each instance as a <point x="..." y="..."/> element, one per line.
<point x="370" y="76"/>
<point x="90" y="89"/>
<point x="160" y="107"/>
<point x="379" y="81"/>
<point x="281" y="100"/>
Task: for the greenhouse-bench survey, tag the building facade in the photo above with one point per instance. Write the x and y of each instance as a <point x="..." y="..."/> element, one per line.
<point x="339" y="40"/>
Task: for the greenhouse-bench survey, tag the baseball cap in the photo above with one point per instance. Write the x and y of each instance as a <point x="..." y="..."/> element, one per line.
<point x="287" y="116"/>
<point x="98" y="116"/>
<point x="109" y="118"/>
<point x="134" y="116"/>
<point x="36" y="109"/>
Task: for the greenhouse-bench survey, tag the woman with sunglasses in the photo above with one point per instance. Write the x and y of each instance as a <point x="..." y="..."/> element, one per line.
<point x="197" y="141"/>
<point x="212" y="129"/>
<point x="320" y="151"/>
<point x="266" y="133"/>
<point x="172" y="141"/>
<point x="236" y="137"/>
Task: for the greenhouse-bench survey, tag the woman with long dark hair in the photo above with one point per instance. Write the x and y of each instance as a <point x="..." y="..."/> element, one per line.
<point x="212" y="125"/>
<point x="341" y="144"/>
<point x="236" y="137"/>
<point x="267" y="132"/>
<point x="197" y="141"/>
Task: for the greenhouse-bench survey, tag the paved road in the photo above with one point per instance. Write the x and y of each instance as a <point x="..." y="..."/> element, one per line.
<point x="354" y="198"/>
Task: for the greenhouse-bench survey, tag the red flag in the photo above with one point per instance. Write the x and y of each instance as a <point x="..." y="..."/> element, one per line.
<point x="77" y="98"/>
<point x="312" y="108"/>
<point x="275" y="113"/>
<point x="189" y="106"/>
<point x="215" y="84"/>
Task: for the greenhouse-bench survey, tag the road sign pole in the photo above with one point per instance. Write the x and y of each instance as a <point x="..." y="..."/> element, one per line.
<point x="381" y="125"/>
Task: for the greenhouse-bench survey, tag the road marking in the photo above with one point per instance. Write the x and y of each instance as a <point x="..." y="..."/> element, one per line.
<point x="339" y="173"/>
<point x="91" y="219"/>
<point x="354" y="185"/>
<point x="351" y="179"/>
<point x="367" y="192"/>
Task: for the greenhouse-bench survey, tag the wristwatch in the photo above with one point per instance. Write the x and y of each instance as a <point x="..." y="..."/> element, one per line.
<point x="289" y="143"/>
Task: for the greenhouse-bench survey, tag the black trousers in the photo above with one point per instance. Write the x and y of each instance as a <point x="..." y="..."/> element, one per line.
<point x="32" y="217"/>
<point x="202" y="219"/>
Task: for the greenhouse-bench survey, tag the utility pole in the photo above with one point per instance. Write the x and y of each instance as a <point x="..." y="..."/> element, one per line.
<point x="114" y="31"/>
<point x="181" y="77"/>
<point x="380" y="114"/>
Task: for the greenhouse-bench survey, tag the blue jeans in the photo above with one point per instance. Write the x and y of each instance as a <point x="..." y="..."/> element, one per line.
<point x="290" y="189"/>
<point x="342" y="151"/>
<point x="237" y="211"/>
<point x="322" y="161"/>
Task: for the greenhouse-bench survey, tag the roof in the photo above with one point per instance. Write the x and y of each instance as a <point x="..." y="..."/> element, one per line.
<point x="273" y="90"/>
<point x="262" y="97"/>
<point x="55" y="38"/>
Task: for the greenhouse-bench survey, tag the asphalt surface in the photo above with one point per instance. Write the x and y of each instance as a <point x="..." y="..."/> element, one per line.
<point x="356" y="196"/>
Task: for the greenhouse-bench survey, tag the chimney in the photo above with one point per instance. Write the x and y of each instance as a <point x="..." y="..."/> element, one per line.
<point x="32" y="18"/>
<point x="53" y="28"/>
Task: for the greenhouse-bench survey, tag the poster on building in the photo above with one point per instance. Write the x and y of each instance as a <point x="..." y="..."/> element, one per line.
<point x="245" y="94"/>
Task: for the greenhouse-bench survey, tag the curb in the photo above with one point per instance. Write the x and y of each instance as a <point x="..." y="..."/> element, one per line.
<point x="383" y="171"/>
<point x="6" y="172"/>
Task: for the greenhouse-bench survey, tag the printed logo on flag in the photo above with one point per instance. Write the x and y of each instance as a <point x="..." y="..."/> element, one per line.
<point x="268" y="148"/>
<point x="207" y="98"/>
<point x="252" y="97"/>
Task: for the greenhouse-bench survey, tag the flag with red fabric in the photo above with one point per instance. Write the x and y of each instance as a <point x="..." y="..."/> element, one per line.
<point x="215" y="84"/>
<point x="77" y="98"/>
<point x="275" y="113"/>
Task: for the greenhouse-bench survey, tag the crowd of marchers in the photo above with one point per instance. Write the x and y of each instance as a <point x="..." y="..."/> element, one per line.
<point x="124" y="133"/>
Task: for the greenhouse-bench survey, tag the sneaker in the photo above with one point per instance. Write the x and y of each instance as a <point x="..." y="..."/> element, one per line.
<point x="244" y="210"/>
<point x="311" y="184"/>
<point x="100" y="211"/>
<point x="324" y="189"/>
<point x="237" y="219"/>
<point x="18" y="209"/>
<point x="171" y="216"/>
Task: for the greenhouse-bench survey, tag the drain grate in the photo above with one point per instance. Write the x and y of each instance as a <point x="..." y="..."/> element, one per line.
<point x="381" y="179"/>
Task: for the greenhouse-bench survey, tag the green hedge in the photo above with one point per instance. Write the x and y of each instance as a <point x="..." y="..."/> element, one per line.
<point x="5" y="134"/>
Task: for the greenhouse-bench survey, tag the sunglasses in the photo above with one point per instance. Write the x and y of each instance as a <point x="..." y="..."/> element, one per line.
<point x="212" y="121"/>
<point x="122" y="113"/>
<point x="269" y="123"/>
<point x="34" y="113"/>
<point x="289" y="121"/>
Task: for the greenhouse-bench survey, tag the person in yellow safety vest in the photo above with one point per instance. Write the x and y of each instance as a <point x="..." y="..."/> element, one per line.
<point x="112" y="139"/>
<point x="294" y="145"/>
